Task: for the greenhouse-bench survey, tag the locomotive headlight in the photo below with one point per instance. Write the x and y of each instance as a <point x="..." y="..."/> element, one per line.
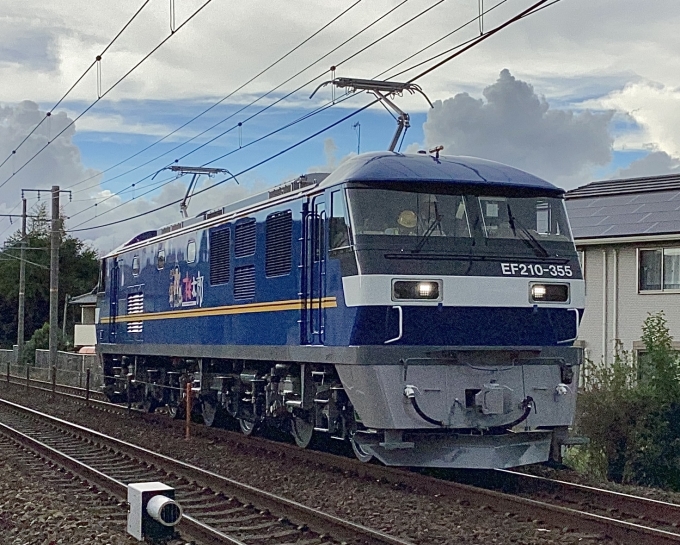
<point x="538" y="292"/>
<point x="425" y="289"/>
<point x="549" y="293"/>
<point x="418" y="290"/>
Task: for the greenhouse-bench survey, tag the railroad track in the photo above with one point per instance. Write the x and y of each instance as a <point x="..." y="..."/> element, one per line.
<point x="622" y="517"/>
<point x="634" y="509"/>
<point x="217" y="509"/>
<point x="62" y="389"/>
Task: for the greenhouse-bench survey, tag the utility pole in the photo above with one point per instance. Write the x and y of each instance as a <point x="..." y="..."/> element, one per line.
<point x="22" y="285"/>
<point x="22" y="280"/>
<point x="55" y="239"/>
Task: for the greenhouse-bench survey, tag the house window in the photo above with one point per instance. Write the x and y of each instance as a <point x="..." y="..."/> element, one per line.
<point x="191" y="251"/>
<point x="642" y="357"/>
<point x="160" y="263"/>
<point x="659" y="269"/>
<point x="135" y="266"/>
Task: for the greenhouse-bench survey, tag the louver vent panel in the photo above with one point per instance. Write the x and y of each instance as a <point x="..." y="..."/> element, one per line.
<point x="244" y="282"/>
<point x="244" y="239"/>
<point x="135" y="305"/>
<point x="219" y="256"/>
<point x="278" y="253"/>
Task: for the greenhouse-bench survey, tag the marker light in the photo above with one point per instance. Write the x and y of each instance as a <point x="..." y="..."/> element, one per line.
<point x="428" y="290"/>
<point x="549" y="293"/>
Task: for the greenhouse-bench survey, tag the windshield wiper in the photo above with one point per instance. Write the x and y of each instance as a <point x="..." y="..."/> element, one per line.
<point x="436" y="222"/>
<point x="529" y="239"/>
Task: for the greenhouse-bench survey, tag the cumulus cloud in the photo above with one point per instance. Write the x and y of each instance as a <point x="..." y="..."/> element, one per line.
<point x="330" y="149"/>
<point x="655" y="164"/>
<point x="655" y="108"/>
<point x="60" y="164"/>
<point x="514" y="125"/>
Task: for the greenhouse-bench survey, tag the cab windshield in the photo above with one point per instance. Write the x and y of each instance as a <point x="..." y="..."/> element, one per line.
<point x="383" y="212"/>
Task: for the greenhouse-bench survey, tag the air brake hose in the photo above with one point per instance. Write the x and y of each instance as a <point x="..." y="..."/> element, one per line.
<point x="410" y="393"/>
<point x="528" y="404"/>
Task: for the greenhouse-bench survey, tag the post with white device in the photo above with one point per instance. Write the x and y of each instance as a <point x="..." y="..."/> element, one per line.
<point x="152" y="511"/>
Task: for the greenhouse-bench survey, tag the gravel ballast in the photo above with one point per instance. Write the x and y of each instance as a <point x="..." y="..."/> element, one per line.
<point x="36" y="512"/>
<point x="413" y="515"/>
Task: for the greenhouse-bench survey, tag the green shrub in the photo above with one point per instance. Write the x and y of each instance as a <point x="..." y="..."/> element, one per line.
<point x="630" y="410"/>
<point x="41" y="340"/>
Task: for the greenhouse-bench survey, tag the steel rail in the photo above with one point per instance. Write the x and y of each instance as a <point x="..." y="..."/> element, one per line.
<point x="556" y="515"/>
<point x="662" y="512"/>
<point x="302" y="515"/>
<point x="113" y="487"/>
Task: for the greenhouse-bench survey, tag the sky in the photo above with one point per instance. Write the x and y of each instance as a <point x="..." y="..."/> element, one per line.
<point x="580" y="91"/>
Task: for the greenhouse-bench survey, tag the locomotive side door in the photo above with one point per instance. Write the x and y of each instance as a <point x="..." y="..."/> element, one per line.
<point x="314" y="272"/>
<point x="113" y="300"/>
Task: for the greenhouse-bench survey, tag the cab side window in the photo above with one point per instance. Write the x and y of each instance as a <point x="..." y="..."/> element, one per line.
<point x="339" y="229"/>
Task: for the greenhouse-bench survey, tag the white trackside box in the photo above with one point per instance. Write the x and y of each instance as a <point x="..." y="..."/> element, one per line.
<point x="152" y="511"/>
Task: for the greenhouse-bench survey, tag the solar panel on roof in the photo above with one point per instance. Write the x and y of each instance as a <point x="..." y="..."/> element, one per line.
<point x="637" y="206"/>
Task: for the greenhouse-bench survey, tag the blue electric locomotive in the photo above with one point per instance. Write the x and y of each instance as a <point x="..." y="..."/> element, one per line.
<point x="422" y="307"/>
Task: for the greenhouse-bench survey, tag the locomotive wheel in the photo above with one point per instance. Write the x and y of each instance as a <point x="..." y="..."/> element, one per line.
<point x="211" y="412"/>
<point x="361" y="454"/>
<point x="248" y="427"/>
<point x="302" y="429"/>
<point x="149" y="405"/>
<point x="175" y="411"/>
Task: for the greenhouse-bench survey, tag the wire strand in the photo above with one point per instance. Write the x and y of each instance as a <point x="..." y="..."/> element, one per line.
<point x="87" y="70"/>
<point x="240" y="87"/>
<point x="122" y="78"/>
<point x="532" y="9"/>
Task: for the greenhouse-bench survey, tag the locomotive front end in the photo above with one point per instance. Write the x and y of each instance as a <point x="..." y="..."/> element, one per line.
<point x="464" y="302"/>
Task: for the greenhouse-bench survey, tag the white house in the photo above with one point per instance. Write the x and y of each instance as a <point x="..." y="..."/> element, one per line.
<point x="627" y="233"/>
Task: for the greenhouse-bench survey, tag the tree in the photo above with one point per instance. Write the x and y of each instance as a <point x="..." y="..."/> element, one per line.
<point x="78" y="270"/>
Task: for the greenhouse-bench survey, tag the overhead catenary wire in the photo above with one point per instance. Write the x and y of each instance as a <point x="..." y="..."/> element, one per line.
<point x="248" y="169"/>
<point x="300" y="87"/>
<point x="167" y="181"/>
<point x="226" y="97"/>
<point x="435" y="42"/>
<point x="68" y="92"/>
<point x="264" y="95"/>
<point x="534" y="7"/>
<point x="102" y="95"/>
<point x="398" y="27"/>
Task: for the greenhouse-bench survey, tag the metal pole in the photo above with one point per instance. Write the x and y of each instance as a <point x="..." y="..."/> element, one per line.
<point x="128" y="383"/>
<point x="28" y="376"/>
<point x="22" y="289"/>
<point x="54" y="380"/>
<point x="54" y="276"/>
<point x="63" y="321"/>
<point x="87" y="385"/>
<point x="187" y="435"/>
